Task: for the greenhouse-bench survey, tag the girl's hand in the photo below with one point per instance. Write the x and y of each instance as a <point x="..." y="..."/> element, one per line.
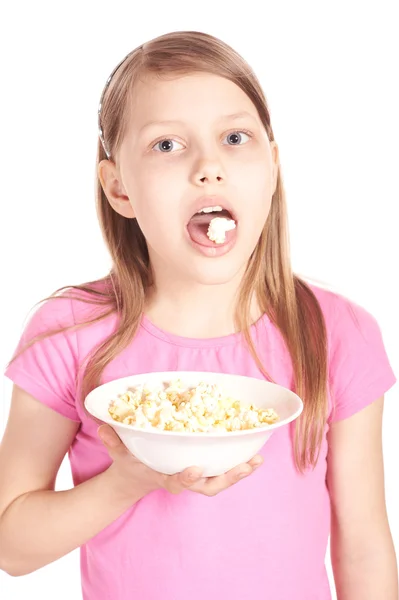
<point x="133" y="476"/>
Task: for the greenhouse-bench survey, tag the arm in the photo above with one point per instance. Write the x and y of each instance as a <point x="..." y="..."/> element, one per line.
<point x="37" y="524"/>
<point x="362" y="551"/>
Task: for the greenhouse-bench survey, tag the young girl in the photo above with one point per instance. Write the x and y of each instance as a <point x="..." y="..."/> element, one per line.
<point x="184" y="126"/>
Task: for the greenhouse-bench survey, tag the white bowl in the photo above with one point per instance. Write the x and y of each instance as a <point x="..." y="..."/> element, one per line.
<point x="171" y="452"/>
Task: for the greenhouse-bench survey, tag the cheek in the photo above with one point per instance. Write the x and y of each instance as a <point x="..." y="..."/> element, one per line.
<point x="160" y="182"/>
<point x="157" y="217"/>
<point x="252" y="171"/>
<point x="255" y="186"/>
<point x="156" y="222"/>
<point x="146" y="190"/>
<point x="156" y="196"/>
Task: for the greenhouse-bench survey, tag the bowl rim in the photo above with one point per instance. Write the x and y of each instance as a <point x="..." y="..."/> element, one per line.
<point x="195" y="434"/>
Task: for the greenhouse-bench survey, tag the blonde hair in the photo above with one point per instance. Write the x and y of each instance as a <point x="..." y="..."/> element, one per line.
<point x="284" y="297"/>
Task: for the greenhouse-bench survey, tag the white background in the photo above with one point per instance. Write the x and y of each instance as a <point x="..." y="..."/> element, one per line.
<point x="328" y="73"/>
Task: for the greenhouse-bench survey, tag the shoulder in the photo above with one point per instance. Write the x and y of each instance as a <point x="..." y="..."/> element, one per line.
<point x="59" y="334"/>
<point x="64" y="311"/>
<point x="358" y="364"/>
<point x="51" y="314"/>
<point x="343" y="316"/>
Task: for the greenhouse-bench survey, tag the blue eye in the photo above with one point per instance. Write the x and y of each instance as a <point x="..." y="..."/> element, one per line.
<point x="165" y="145"/>
<point x="237" y="137"/>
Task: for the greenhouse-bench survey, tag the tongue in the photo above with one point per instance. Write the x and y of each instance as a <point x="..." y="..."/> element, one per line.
<point x="199" y="224"/>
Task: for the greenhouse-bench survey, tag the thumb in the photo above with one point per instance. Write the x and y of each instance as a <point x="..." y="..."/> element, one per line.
<point x="109" y="437"/>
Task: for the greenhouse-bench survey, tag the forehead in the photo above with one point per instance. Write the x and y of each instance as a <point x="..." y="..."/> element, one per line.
<point x="194" y="97"/>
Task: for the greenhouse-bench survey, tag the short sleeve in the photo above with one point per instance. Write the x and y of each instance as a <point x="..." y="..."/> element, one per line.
<point x="47" y="370"/>
<point x="360" y="371"/>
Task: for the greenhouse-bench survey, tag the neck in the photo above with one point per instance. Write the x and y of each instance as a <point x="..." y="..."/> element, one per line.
<point x="194" y="310"/>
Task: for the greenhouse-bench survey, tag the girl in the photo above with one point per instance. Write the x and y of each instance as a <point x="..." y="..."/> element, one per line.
<point x="184" y="126"/>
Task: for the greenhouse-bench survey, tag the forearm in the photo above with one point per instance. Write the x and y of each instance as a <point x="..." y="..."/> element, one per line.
<point x="42" y="526"/>
<point x="367" y="574"/>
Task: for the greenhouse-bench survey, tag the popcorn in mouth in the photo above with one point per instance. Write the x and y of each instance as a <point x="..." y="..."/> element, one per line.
<point x="218" y="227"/>
<point x="212" y="221"/>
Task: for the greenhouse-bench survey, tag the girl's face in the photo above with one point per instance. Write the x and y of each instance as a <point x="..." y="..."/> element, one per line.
<point x="193" y="142"/>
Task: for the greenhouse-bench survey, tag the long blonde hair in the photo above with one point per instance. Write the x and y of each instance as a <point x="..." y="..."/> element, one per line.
<point x="283" y="296"/>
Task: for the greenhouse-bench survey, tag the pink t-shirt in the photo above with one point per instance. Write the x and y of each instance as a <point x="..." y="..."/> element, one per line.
<point x="265" y="537"/>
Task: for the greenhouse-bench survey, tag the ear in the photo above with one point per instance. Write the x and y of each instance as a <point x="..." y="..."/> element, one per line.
<point x="113" y="189"/>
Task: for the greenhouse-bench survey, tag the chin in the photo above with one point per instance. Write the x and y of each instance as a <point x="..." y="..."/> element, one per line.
<point x="215" y="271"/>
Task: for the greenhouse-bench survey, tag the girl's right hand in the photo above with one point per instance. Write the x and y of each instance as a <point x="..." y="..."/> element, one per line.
<point x="134" y="476"/>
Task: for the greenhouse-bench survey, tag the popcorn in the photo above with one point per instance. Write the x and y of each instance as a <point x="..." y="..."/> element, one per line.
<point x="172" y="407"/>
<point x="218" y="227"/>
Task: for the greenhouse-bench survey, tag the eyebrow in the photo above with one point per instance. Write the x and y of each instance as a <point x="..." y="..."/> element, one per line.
<point x="238" y="115"/>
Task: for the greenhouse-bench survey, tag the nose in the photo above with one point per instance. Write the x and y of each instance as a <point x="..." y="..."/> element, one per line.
<point x="208" y="171"/>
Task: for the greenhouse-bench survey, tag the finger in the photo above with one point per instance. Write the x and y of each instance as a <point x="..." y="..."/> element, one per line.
<point x="236" y="474"/>
<point x="256" y="461"/>
<point x="110" y="439"/>
<point x="215" y="485"/>
<point x="180" y="481"/>
<point x="189" y="476"/>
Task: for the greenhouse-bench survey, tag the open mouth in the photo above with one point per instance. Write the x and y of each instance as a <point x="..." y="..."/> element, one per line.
<point x="212" y="225"/>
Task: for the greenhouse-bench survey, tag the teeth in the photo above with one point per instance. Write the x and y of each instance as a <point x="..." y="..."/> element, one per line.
<point x="210" y="209"/>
